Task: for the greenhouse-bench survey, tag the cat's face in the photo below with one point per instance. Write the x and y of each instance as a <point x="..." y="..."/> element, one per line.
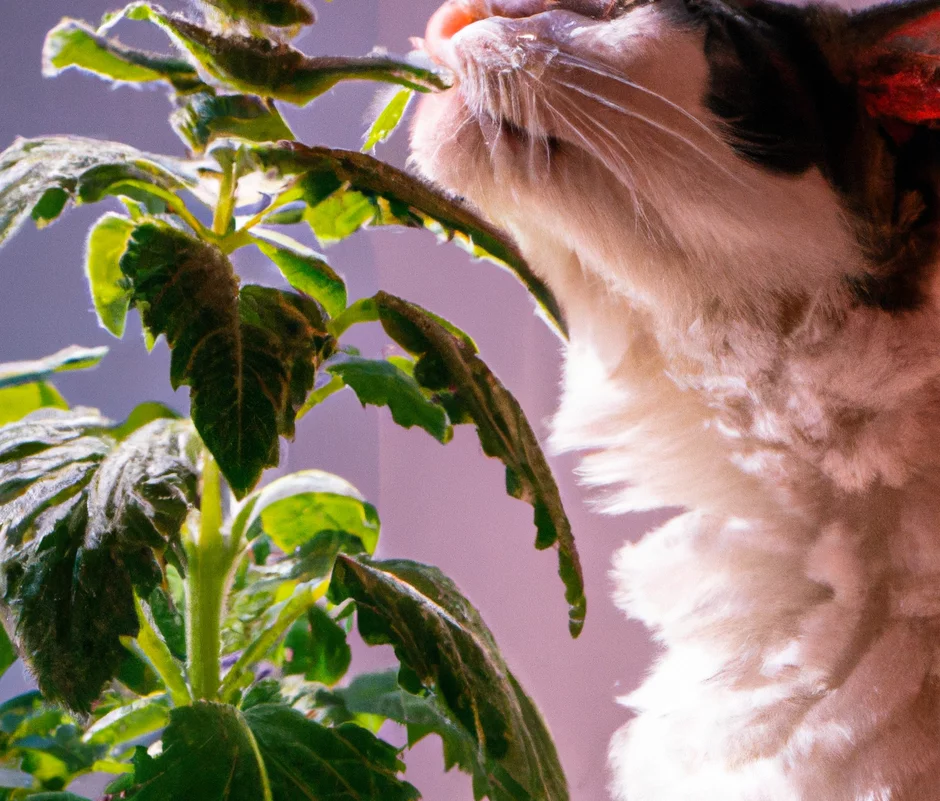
<point x="688" y="153"/>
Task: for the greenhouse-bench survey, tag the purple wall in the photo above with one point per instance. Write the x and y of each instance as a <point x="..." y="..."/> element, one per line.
<point x="442" y="505"/>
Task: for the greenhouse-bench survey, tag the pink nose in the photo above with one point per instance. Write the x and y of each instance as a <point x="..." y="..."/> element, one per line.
<point x="455" y="15"/>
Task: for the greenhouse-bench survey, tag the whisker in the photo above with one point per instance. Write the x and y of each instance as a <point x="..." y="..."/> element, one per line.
<point x="577" y="61"/>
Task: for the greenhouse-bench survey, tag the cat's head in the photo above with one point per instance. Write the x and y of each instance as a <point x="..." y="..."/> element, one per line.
<point x="715" y="151"/>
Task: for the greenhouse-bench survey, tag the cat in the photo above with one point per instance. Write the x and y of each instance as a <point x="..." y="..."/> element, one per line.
<point x="736" y="203"/>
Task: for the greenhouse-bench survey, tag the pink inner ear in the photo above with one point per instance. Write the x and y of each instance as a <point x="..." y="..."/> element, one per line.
<point x="900" y="76"/>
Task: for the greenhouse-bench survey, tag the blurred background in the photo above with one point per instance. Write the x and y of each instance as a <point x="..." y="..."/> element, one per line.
<point x="442" y="505"/>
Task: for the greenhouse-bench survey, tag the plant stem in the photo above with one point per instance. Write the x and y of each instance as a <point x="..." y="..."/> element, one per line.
<point x="158" y="654"/>
<point x="318" y="396"/>
<point x="362" y="311"/>
<point x="210" y="560"/>
<point x="305" y="597"/>
<point x="226" y="207"/>
<point x="174" y="204"/>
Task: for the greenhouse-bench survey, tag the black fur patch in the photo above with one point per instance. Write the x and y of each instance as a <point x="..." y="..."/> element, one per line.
<point x="783" y="108"/>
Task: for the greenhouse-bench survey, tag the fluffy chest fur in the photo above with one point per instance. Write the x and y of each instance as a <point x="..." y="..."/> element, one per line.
<point x="735" y="207"/>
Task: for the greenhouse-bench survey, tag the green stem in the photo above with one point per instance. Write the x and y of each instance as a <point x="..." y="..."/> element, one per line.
<point x="304" y="597"/>
<point x="155" y="649"/>
<point x="317" y="397"/>
<point x="226" y="206"/>
<point x="210" y="560"/>
<point x="362" y="311"/>
<point x="174" y="204"/>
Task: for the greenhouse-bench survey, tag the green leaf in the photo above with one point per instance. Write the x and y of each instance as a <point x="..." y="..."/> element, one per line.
<point x="13" y="374"/>
<point x="214" y="752"/>
<point x="339" y="216"/>
<point x="296" y="509"/>
<point x="109" y="290"/>
<point x="382" y="383"/>
<point x="17" y="402"/>
<point x="85" y="519"/>
<point x="75" y="44"/>
<point x="389" y="119"/>
<point x="351" y="184"/>
<point x="7" y="651"/>
<point x="449" y="362"/>
<point x="316" y="648"/>
<point x="129" y="722"/>
<point x="57" y="797"/>
<point x="45" y="174"/>
<point x="258" y="66"/>
<point x="206" y="117"/>
<point x="44" y="743"/>
<point x="379" y="695"/>
<point x="441" y="639"/>
<point x="279" y="13"/>
<point x="305" y="270"/>
<point x="249" y="355"/>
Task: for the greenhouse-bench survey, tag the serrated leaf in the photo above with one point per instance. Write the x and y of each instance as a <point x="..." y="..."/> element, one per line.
<point x="206" y="117"/>
<point x="449" y="362"/>
<point x="346" y="181"/>
<point x="249" y="355"/>
<point x="305" y="270"/>
<point x="379" y="695"/>
<point x="441" y="639"/>
<point x="17" y="402"/>
<point x="258" y="66"/>
<point x="130" y="721"/>
<point x="75" y="44"/>
<point x="14" y="374"/>
<point x="316" y="648"/>
<point x="296" y="509"/>
<point x="381" y="383"/>
<point x="214" y="752"/>
<point x="278" y="13"/>
<point x="109" y="290"/>
<point x="83" y="519"/>
<point x="388" y="119"/>
<point x="46" y="174"/>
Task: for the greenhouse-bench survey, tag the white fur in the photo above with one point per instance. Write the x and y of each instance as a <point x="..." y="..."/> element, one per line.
<point x="798" y="602"/>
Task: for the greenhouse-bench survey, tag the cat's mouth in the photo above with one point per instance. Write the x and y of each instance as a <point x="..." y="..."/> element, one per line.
<point x="455" y="15"/>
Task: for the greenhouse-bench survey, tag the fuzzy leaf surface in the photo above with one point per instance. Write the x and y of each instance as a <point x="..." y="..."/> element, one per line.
<point x="215" y="752"/>
<point x="73" y="44"/>
<point x="379" y="382"/>
<point x="358" y="187"/>
<point x="249" y="354"/>
<point x="40" y="177"/>
<point x="206" y="117"/>
<point x="258" y="66"/>
<point x="439" y="636"/>
<point x="448" y="363"/>
<point x="279" y="13"/>
<point x="84" y="517"/>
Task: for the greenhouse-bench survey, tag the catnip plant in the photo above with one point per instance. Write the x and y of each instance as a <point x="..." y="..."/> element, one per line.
<point x="187" y="623"/>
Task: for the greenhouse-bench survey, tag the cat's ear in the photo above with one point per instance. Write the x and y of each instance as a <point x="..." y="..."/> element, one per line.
<point x="897" y="63"/>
